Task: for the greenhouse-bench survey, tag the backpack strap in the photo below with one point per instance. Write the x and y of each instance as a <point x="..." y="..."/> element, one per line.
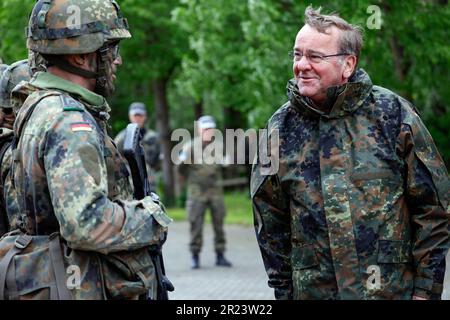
<point x="28" y="107"/>
<point x="59" y="272"/>
<point x="21" y="243"/>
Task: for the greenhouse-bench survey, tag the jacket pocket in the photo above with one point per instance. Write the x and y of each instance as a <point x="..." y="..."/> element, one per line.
<point x="304" y="257"/>
<point x="394" y="251"/>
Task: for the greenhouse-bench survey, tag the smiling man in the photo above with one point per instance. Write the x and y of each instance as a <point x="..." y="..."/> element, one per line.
<point x="359" y="206"/>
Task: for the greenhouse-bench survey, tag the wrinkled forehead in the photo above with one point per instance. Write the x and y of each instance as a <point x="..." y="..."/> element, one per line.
<point x="309" y="38"/>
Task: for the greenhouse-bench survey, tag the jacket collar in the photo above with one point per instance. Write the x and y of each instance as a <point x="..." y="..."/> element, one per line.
<point x="93" y="102"/>
<point x="341" y="100"/>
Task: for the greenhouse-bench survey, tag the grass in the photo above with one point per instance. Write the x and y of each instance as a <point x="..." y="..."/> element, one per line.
<point x="237" y="204"/>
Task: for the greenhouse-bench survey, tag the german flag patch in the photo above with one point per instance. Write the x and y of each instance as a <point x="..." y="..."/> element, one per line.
<point x="81" y="127"/>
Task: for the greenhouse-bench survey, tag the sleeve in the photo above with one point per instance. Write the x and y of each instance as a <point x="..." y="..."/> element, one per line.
<point x="427" y="191"/>
<point x="273" y="229"/>
<point x="78" y="186"/>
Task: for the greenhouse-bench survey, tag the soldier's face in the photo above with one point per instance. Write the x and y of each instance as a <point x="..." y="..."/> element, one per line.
<point x="139" y="119"/>
<point x="313" y="79"/>
<point x="206" y="134"/>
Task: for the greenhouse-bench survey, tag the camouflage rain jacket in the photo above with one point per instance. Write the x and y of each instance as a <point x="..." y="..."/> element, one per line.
<point x="359" y="206"/>
<point x="202" y="171"/>
<point x="70" y="178"/>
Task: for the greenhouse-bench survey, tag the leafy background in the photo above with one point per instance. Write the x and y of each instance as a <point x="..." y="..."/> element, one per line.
<point x="229" y="58"/>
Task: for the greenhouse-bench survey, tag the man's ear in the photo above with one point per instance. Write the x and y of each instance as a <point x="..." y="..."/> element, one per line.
<point x="349" y="66"/>
<point x="78" y="60"/>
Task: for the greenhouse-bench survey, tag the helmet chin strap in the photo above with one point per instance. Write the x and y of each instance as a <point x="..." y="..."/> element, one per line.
<point x="103" y="86"/>
<point x="63" y="64"/>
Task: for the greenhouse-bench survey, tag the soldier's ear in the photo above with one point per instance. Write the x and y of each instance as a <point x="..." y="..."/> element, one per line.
<point x="84" y="61"/>
<point x="78" y="60"/>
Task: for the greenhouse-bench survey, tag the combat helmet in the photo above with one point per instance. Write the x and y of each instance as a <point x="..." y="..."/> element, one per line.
<point x="12" y="76"/>
<point x="63" y="27"/>
<point x="74" y="26"/>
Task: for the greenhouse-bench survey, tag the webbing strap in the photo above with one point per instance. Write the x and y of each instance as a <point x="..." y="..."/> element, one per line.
<point x="66" y="66"/>
<point x="11" y="281"/>
<point x="21" y="243"/>
<point x="56" y="258"/>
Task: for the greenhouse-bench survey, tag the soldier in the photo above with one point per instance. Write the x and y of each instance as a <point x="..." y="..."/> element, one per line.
<point x="204" y="190"/>
<point x="3" y="221"/>
<point x="359" y="206"/>
<point x="68" y="175"/>
<point x="137" y="113"/>
<point x="13" y="75"/>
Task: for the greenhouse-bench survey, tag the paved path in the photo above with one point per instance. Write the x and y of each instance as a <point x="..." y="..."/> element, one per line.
<point x="446" y="293"/>
<point x="246" y="280"/>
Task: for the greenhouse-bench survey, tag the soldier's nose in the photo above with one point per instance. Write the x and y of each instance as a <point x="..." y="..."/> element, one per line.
<point x="118" y="61"/>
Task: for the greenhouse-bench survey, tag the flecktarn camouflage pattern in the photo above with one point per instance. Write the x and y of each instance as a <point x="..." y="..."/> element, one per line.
<point x="204" y="190"/>
<point x="359" y="206"/>
<point x="70" y="178"/>
<point x="12" y="76"/>
<point x="91" y="24"/>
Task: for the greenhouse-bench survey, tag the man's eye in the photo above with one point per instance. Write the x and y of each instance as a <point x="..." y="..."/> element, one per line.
<point x="316" y="57"/>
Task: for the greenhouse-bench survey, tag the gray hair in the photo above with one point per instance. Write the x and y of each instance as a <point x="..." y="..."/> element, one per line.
<point x="351" y="39"/>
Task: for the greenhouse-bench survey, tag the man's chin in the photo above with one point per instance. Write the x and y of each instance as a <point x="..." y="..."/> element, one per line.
<point x="306" y="91"/>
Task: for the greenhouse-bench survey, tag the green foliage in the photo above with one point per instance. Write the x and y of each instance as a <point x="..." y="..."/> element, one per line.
<point x="153" y="52"/>
<point x="13" y="20"/>
<point x="233" y="53"/>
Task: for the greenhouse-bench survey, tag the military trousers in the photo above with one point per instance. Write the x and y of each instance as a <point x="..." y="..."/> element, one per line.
<point x="196" y="212"/>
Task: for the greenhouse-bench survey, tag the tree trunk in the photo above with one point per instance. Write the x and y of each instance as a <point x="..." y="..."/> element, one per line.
<point x="198" y="109"/>
<point x="159" y="87"/>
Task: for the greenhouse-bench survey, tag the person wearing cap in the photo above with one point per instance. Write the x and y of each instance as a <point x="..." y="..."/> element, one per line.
<point x="70" y="180"/>
<point x="204" y="190"/>
<point x="137" y="113"/>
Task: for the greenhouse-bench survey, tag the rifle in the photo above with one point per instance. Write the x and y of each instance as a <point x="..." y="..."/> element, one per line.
<point x="134" y="153"/>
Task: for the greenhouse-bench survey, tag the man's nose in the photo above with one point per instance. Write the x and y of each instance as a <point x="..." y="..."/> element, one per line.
<point x="301" y="65"/>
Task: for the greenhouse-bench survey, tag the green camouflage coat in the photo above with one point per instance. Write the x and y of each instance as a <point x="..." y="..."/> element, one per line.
<point x="203" y="174"/>
<point x="359" y="206"/>
<point x="70" y="177"/>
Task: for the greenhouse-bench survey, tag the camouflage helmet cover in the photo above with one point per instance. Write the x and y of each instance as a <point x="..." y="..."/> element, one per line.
<point x="12" y="76"/>
<point x="74" y="26"/>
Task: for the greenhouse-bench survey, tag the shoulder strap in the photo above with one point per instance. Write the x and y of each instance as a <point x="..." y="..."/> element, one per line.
<point x="29" y="112"/>
<point x="28" y="107"/>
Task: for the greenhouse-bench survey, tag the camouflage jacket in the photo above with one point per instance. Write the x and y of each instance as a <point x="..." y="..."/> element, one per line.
<point x="69" y="177"/>
<point x="359" y="206"/>
<point x="6" y="136"/>
<point x="202" y="172"/>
